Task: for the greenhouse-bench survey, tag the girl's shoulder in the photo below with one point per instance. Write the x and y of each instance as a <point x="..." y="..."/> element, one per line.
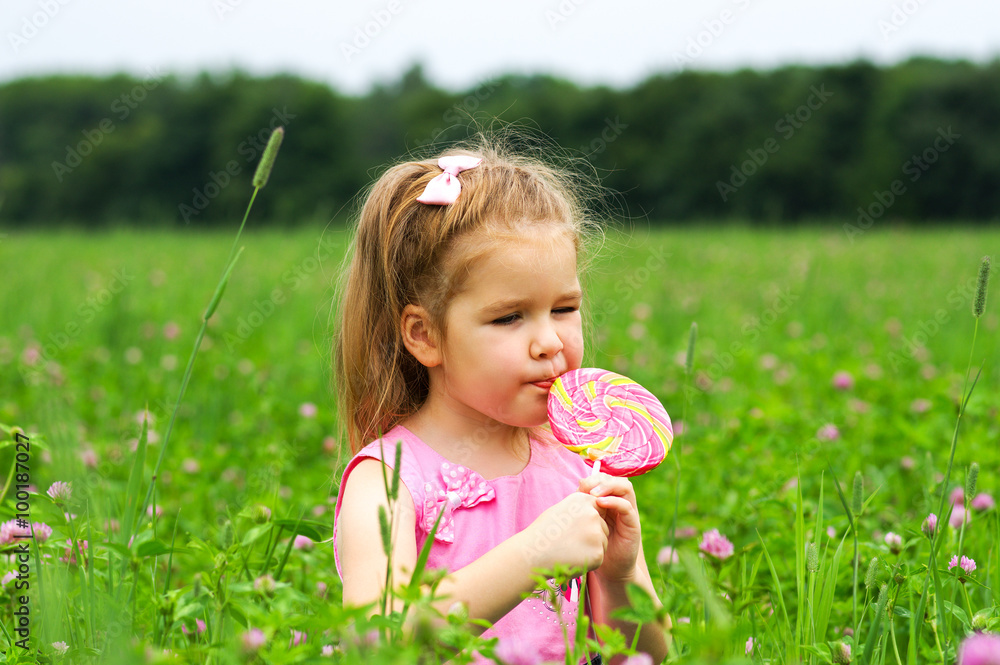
<point x="363" y="480"/>
<point x="416" y="458"/>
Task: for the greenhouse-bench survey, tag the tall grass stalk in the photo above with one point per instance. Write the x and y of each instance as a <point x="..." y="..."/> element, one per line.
<point x="260" y="178"/>
<point x="979" y="306"/>
<point x="133" y="509"/>
<point x="857" y="497"/>
<point x="688" y="371"/>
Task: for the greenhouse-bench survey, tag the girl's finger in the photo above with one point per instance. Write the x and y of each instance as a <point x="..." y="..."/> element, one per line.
<point x="613" y="486"/>
<point x="621" y="506"/>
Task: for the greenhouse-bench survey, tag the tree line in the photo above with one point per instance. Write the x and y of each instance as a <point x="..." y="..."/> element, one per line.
<point x="914" y="142"/>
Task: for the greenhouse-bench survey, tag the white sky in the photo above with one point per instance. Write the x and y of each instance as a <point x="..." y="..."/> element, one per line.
<point x="614" y="42"/>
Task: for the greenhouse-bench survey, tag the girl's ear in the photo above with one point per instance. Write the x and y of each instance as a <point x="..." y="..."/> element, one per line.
<point x="419" y="336"/>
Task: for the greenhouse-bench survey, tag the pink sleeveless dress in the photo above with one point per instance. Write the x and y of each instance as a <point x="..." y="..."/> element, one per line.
<point x="481" y="514"/>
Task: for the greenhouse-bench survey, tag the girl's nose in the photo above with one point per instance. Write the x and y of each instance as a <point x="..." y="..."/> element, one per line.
<point x="546" y="343"/>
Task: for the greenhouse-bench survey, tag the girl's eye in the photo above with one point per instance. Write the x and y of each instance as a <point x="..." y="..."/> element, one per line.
<point x="505" y="320"/>
<point x="565" y="310"/>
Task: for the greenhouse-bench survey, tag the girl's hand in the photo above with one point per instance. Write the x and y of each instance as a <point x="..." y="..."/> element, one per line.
<point x="616" y="500"/>
<point x="573" y="533"/>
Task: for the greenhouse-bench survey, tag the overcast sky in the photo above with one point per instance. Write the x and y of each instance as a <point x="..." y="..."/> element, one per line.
<point x="354" y="44"/>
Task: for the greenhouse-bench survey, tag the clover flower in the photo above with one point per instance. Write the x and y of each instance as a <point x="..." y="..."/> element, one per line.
<point x="842" y="653"/>
<point x="253" y="640"/>
<point x="60" y="491"/>
<point x="828" y="432"/>
<point x="930" y="525"/>
<point x="716" y="545"/>
<point x="983" y="501"/>
<point x="666" y="555"/>
<point x="843" y="380"/>
<point x="966" y="564"/>
<point x="980" y="649"/>
<point x="199" y="628"/>
<point x="265" y="584"/>
<point x="70" y="556"/>
<point x="958" y="515"/>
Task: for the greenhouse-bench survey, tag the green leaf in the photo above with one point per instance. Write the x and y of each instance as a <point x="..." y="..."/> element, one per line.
<point x="154" y="548"/>
<point x="220" y="289"/>
<point x="958" y="613"/>
<point x="238" y="614"/>
<point x="254" y="534"/>
<point x="308" y="528"/>
<point x="118" y="547"/>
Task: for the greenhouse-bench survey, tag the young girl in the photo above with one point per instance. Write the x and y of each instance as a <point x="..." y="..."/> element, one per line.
<point x="461" y="306"/>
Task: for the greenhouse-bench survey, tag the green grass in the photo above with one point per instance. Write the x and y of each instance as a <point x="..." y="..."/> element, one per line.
<point x="779" y="312"/>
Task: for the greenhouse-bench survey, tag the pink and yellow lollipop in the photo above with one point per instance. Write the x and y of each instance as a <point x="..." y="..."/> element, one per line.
<point x="618" y="426"/>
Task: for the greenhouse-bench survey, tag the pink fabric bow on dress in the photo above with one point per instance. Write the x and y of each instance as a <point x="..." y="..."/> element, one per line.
<point x="463" y="488"/>
<point x="444" y="188"/>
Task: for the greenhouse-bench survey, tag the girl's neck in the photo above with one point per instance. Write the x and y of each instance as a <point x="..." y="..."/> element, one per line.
<point x="486" y="446"/>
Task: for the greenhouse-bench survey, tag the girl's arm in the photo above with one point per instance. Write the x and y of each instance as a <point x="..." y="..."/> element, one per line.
<point x="624" y="563"/>
<point x="608" y="595"/>
<point x="571" y="532"/>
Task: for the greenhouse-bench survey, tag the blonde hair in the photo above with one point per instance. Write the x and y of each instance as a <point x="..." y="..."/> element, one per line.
<point x="407" y="252"/>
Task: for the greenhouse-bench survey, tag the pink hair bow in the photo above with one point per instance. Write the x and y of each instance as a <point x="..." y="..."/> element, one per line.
<point x="444" y="188"/>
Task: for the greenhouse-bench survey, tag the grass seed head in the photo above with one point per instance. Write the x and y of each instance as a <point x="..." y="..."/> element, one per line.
<point x="984" y="280"/>
<point x="383" y="523"/>
<point x="970" y="481"/>
<point x="692" y="338"/>
<point x="857" y="498"/>
<point x="267" y="161"/>
<point x="871" y="579"/>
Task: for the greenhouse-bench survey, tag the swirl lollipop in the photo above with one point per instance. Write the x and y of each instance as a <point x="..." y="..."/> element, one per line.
<point x="614" y="423"/>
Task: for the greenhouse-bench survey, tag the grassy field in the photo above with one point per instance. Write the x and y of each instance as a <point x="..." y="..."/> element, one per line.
<point x="99" y="328"/>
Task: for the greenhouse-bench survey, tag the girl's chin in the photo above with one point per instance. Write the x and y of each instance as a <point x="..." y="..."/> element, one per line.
<point x="524" y="421"/>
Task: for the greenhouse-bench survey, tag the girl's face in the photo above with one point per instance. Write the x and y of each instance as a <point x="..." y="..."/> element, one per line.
<point x="513" y="329"/>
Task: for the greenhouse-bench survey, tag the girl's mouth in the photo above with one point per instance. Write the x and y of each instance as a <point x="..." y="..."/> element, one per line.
<point x="543" y="384"/>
